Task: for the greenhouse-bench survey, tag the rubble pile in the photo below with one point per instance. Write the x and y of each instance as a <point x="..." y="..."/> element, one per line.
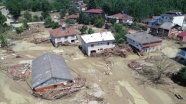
<point x="40" y="40"/>
<point x="63" y="91"/>
<point x="17" y="72"/>
<point x="136" y="66"/>
<point x="27" y="33"/>
<point x="119" y="50"/>
<point x="66" y="44"/>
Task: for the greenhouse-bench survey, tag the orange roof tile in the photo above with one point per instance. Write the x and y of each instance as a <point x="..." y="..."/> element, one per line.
<point x="122" y="16"/>
<point x="73" y="16"/>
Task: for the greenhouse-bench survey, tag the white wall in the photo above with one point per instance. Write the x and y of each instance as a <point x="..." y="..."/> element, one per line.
<point x="139" y="46"/>
<point x="98" y="46"/>
<point x="134" y="43"/>
<point x="178" y="20"/>
<point x="64" y="39"/>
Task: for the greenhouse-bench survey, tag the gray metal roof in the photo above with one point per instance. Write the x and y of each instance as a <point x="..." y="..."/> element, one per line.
<point x="166" y="25"/>
<point x="143" y="37"/>
<point x="49" y="66"/>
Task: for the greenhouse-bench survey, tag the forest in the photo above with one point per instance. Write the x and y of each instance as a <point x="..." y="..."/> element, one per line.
<point x="140" y="9"/>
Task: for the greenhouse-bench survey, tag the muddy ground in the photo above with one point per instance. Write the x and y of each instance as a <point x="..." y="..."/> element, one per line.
<point x="120" y="86"/>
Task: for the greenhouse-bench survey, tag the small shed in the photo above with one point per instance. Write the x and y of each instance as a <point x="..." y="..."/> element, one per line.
<point x="49" y="71"/>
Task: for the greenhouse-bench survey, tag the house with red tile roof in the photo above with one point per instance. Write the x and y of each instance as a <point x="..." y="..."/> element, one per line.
<point x="73" y="16"/>
<point x="121" y="18"/>
<point x="62" y="35"/>
<point x="94" y="11"/>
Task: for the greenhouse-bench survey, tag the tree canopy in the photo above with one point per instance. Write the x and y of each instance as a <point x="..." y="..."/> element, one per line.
<point x="2" y="18"/>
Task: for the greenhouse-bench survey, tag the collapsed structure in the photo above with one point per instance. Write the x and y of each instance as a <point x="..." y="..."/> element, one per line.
<point x="49" y="71"/>
<point x="96" y="42"/>
<point x="144" y="42"/>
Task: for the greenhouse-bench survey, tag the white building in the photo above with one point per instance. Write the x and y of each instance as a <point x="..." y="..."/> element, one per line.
<point x="63" y="34"/>
<point x="173" y="17"/>
<point x="97" y="42"/>
<point x="144" y="42"/>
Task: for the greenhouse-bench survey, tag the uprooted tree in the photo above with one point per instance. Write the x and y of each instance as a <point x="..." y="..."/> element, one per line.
<point x="156" y="72"/>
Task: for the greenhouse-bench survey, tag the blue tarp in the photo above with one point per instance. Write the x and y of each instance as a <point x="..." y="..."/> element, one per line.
<point x="155" y="20"/>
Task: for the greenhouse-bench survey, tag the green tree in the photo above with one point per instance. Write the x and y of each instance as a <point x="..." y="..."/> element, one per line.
<point x="19" y="30"/>
<point x="45" y="14"/>
<point x="92" y="4"/>
<point x="25" y="25"/>
<point x="2" y="41"/>
<point x="14" y="8"/>
<point x="83" y="19"/>
<point x="2" y="18"/>
<point x="48" y="22"/>
<point x="181" y="75"/>
<point x="69" y="21"/>
<point x="99" y="23"/>
<point x="90" y="31"/>
<point x="55" y="25"/>
<point x="72" y="10"/>
<point x="27" y="16"/>
<point x="36" y="18"/>
<point x="83" y="29"/>
<point x="117" y="27"/>
<point x="107" y="8"/>
<point x="62" y="13"/>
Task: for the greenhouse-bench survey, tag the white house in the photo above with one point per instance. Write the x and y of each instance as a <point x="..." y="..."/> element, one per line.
<point x="144" y="42"/>
<point x="121" y="18"/>
<point x="63" y="34"/>
<point x="97" y="42"/>
<point x="173" y="17"/>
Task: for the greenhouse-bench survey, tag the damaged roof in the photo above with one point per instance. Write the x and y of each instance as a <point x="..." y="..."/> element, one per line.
<point x="143" y="37"/>
<point x="49" y="66"/>
<point x="167" y="25"/>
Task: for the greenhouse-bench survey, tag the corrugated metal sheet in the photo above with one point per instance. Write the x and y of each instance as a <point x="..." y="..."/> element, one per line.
<point x="49" y="66"/>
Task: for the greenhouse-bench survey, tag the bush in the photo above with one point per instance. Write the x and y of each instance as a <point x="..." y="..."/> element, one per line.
<point x="83" y="29"/>
<point x="25" y="25"/>
<point x="99" y="23"/>
<point x="2" y="41"/>
<point x="69" y="21"/>
<point x="90" y="31"/>
<point x="19" y="30"/>
<point x="36" y="18"/>
<point x="48" y="22"/>
<point x="27" y="16"/>
<point x="55" y="25"/>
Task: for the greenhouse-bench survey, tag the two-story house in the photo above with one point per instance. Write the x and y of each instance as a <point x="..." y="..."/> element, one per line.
<point x="63" y="34"/>
<point x="121" y="18"/>
<point x="144" y="42"/>
<point x="173" y="17"/>
<point x="96" y="42"/>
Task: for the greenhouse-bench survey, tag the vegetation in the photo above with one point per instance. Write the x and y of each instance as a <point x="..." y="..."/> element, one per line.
<point x="62" y="13"/>
<point x="120" y="33"/>
<point x="91" y="4"/>
<point x="83" y="29"/>
<point x="25" y="26"/>
<point x="19" y="30"/>
<point x="36" y="18"/>
<point x="69" y="21"/>
<point x="90" y="31"/>
<point x="2" y="18"/>
<point x="27" y="16"/>
<point x="83" y="19"/>
<point x="45" y="14"/>
<point x="55" y="25"/>
<point x="180" y="76"/>
<point x="72" y="10"/>
<point x="2" y="41"/>
<point x="48" y="22"/>
<point x="14" y="7"/>
<point x="99" y="22"/>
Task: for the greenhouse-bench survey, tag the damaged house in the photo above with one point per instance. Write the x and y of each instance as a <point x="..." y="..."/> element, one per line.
<point x="50" y="71"/>
<point x="96" y="42"/>
<point x="144" y="42"/>
<point x="63" y="34"/>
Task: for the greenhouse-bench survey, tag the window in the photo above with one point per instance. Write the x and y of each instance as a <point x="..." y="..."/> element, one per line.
<point x="107" y="43"/>
<point x="92" y="45"/>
